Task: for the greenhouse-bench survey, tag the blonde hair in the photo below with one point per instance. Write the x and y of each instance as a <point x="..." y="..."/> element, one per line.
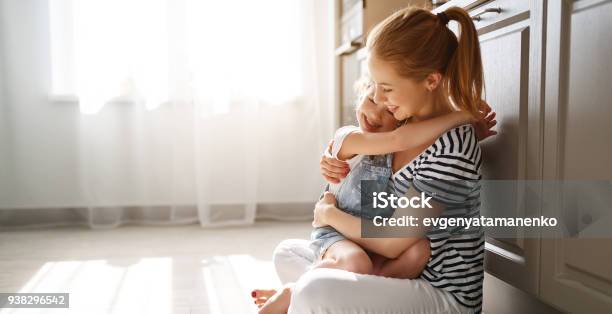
<point x="418" y="43"/>
<point x="362" y="88"/>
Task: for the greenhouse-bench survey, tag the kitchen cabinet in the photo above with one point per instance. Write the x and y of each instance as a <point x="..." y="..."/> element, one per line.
<point x="547" y="71"/>
<point x="576" y="274"/>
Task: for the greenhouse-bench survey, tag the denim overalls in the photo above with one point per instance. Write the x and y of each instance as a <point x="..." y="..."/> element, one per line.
<point x="377" y="170"/>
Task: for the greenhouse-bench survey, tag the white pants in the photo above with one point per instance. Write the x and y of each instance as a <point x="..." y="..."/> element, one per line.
<point x="330" y="291"/>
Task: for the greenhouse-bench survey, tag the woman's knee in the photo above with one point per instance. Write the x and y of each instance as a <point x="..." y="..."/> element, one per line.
<point x="291" y="258"/>
<point x="282" y="251"/>
<point x="292" y="248"/>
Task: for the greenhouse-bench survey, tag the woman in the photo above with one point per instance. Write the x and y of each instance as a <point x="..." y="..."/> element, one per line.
<point x="420" y="71"/>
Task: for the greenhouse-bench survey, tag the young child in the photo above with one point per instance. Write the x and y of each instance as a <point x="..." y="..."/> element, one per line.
<point x="368" y="151"/>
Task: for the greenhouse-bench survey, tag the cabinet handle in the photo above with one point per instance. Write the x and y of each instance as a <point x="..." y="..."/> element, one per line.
<point x="477" y="17"/>
<point x="348" y="48"/>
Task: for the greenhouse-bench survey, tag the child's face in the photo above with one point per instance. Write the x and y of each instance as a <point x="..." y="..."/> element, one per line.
<point x="374" y="117"/>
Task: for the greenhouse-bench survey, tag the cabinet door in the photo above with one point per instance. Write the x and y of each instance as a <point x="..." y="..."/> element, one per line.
<point x="510" y="41"/>
<point x="350" y="74"/>
<point x="577" y="273"/>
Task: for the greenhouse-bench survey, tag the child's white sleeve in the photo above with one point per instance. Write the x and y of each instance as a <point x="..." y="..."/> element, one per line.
<point x="339" y="137"/>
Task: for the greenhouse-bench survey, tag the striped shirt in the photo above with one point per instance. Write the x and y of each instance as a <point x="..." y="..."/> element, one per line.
<point x="449" y="172"/>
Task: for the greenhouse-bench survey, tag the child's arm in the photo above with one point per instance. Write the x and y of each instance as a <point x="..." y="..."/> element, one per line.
<point x="408" y="136"/>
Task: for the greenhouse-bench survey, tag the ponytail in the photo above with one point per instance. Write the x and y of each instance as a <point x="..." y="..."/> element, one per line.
<point x="464" y="75"/>
<point x="419" y="43"/>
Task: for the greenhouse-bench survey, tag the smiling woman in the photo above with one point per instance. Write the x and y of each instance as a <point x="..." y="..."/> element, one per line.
<point x="421" y="75"/>
<point x="392" y="89"/>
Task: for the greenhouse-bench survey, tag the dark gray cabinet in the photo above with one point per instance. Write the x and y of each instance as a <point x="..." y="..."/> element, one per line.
<point x="547" y="73"/>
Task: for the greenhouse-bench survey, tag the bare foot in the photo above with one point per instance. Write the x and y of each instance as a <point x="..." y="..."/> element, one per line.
<point x="279" y="302"/>
<point x="260" y="296"/>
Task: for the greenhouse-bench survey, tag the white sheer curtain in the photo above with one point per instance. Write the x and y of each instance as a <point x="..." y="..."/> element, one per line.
<point x="192" y="110"/>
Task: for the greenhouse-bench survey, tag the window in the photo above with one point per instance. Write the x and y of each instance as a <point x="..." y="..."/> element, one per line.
<point x="221" y="54"/>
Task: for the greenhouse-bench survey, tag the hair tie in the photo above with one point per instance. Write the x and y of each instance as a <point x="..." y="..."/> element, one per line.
<point x="443" y="18"/>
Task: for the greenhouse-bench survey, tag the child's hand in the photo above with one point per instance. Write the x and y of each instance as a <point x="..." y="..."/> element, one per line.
<point x="485" y="122"/>
<point x="322" y="208"/>
<point x="332" y="169"/>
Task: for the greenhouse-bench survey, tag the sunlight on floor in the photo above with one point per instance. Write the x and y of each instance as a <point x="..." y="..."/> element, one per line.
<point x="167" y="270"/>
<point x="147" y="285"/>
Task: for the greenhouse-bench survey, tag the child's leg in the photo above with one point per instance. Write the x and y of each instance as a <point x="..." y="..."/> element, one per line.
<point x="343" y="254"/>
<point x="410" y="264"/>
<point x="346" y="255"/>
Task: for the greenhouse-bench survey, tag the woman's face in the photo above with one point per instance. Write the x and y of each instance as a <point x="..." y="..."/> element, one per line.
<point x="374" y="117"/>
<point x="403" y="97"/>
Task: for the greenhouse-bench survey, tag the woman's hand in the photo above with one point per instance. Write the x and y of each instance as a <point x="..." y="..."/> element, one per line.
<point x="322" y="209"/>
<point x="332" y="169"/>
<point x="485" y="122"/>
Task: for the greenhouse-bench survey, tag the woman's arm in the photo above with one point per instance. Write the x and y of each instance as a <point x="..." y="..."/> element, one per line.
<point x="326" y="213"/>
<point x="403" y="138"/>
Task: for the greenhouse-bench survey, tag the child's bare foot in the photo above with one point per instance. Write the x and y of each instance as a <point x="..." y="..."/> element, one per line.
<point x="260" y="296"/>
<point x="279" y="302"/>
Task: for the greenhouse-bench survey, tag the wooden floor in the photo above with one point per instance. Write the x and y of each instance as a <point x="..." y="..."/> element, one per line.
<point x="142" y="269"/>
<point x="168" y="270"/>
